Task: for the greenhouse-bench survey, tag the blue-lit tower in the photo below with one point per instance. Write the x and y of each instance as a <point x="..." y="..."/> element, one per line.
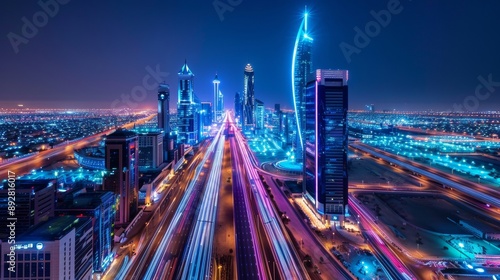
<point x="238" y="107"/>
<point x="325" y="139"/>
<point x="220" y="106"/>
<point x="164" y="118"/>
<point x="186" y="111"/>
<point x="301" y="72"/>
<point x="248" y="98"/>
<point x="216" y="108"/>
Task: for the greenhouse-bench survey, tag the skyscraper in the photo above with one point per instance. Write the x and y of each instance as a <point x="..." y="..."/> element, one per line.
<point x="248" y="97"/>
<point x="325" y="139"/>
<point x="259" y="114"/>
<point x="216" y="108"/>
<point x="186" y="111"/>
<point x="122" y="163"/>
<point x="163" y="107"/>
<point x="301" y="72"/>
<point x="207" y="114"/>
<point x="238" y="106"/>
<point x="57" y="249"/>
<point x="35" y="203"/>
<point x="220" y="106"/>
<point x="100" y="207"/>
<point x="164" y="117"/>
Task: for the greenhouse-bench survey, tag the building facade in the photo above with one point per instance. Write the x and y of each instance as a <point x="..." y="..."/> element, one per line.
<point x="216" y="108"/>
<point x="326" y="140"/>
<point x="238" y="107"/>
<point x="187" y="121"/>
<point x="99" y="207"/>
<point x="35" y="203"/>
<point x="60" y="248"/>
<point x="207" y="115"/>
<point x="259" y="114"/>
<point x="164" y="118"/>
<point x="248" y="97"/>
<point x="122" y="158"/>
<point x="151" y="149"/>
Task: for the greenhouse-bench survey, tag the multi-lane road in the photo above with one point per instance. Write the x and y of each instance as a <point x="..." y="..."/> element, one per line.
<point x="60" y="152"/>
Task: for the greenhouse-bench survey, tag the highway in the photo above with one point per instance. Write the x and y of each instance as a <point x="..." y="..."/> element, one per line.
<point x="288" y="263"/>
<point x="477" y="191"/>
<point x="248" y="257"/>
<point x="59" y="152"/>
<point x="197" y="258"/>
<point x="393" y="266"/>
<point x="163" y="263"/>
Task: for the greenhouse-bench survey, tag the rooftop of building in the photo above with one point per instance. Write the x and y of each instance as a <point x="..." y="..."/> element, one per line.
<point x="53" y="229"/>
<point x="121" y="133"/>
<point x="35" y="184"/>
<point x="86" y="200"/>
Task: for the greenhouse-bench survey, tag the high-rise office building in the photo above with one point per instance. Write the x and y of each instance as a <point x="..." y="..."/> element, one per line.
<point x="238" y="106"/>
<point x="35" y="203"/>
<point x="216" y="109"/>
<point x="248" y="97"/>
<point x="206" y="113"/>
<point x="100" y="208"/>
<point x="220" y="105"/>
<point x="59" y="248"/>
<point x="187" y="122"/>
<point x="301" y="73"/>
<point x="325" y="136"/>
<point x="259" y="114"/>
<point x="164" y="117"/>
<point x="122" y="158"/>
<point x="163" y="107"/>
<point x="151" y="149"/>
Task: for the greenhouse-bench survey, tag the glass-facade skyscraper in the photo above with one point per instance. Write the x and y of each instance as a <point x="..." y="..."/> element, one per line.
<point x="217" y="110"/>
<point x="187" y="121"/>
<point x="301" y="73"/>
<point x="325" y="139"/>
<point x="248" y="97"/>
<point x="164" y="117"/>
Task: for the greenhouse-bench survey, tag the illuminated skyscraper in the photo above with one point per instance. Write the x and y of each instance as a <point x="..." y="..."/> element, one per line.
<point x="220" y="106"/>
<point x="238" y="106"/>
<point x="163" y="108"/>
<point x="301" y="72"/>
<point x="248" y="97"/>
<point x="216" y="109"/>
<point x="164" y="118"/>
<point x="186" y="111"/>
<point x="325" y="139"/>
<point x="122" y="163"/>
<point x="259" y="114"/>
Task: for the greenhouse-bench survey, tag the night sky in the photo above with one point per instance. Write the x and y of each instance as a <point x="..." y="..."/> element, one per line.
<point x="90" y="53"/>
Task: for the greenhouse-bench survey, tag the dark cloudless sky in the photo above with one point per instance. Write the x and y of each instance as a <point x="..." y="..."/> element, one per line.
<point x="92" y="52"/>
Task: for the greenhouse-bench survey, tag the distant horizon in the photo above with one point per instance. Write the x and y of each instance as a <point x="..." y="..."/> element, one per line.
<point x="404" y="63"/>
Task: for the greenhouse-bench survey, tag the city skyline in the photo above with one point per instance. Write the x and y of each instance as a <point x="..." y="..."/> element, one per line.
<point x="449" y="60"/>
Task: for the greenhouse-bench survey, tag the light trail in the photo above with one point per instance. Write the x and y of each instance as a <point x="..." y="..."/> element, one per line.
<point x="370" y="227"/>
<point x="288" y="265"/>
<point x="185" y="203"/>
<point x="197" y="258"/>
<point x="443" y="178"/>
